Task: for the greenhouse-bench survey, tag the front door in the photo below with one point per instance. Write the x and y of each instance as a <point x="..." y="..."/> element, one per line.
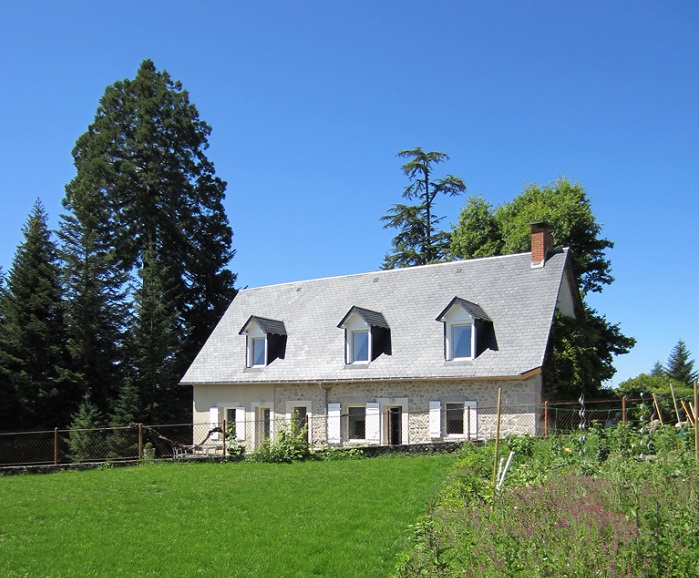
<point x="395" y="426"/>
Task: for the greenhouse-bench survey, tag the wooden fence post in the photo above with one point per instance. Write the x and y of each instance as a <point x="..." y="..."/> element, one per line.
<point x="140" y="441"/>
<point x="224" y="438"/>
<point x="623" y="410"/>
<point x="497" y="440"/>
<point x="55" y="446"/>
<point x="546" y="419"/>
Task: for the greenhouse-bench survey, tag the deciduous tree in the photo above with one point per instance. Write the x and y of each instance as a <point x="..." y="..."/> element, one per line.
<point x="581" y="350"/>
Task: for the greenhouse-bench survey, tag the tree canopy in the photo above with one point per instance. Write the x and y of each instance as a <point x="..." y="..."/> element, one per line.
<point x="418" y="241"/>
<point x="679" y="366"/>
<point x="145" y="208"/>
<point x="32" y="332"/>
<point x="581" y="350"/>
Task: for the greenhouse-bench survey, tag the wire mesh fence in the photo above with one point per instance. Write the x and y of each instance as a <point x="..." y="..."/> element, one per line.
<point x="355" y="427"/>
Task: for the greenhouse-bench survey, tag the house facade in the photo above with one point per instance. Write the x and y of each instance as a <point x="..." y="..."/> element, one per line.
<point x="404" y="356"/>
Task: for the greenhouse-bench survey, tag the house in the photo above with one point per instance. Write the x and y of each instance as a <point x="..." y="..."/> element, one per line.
<point x="403" y="356"/>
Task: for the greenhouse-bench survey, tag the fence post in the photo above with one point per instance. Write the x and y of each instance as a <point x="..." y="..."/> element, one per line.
<point x="140" y="441"/>
<point x="224" y="439"/>
<point x="546" y="419"/>
<point x="497" y="440"/>
<point x="55" y="446"/>
<point x="623" y="410"/>
<point x="468" y="423"/>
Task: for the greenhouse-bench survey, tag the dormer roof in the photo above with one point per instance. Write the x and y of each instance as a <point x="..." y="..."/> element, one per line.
<point x="371" y="318"/>
<point x="473" y="309"/>
<point x="266" y="325"/>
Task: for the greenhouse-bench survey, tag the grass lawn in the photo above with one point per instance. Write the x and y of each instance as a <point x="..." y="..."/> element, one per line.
<point x="338" y="518"/>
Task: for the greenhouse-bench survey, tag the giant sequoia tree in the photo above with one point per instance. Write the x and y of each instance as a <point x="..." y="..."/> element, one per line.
<point x="145" y="196"/>
<point x="582" y="349"/>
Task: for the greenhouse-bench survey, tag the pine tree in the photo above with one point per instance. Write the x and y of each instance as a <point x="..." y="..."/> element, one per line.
<point x="679" y="366"/>
<point x="32" y="353"/>
<point x="418" y="241"/>
<point x="142" y="164"/>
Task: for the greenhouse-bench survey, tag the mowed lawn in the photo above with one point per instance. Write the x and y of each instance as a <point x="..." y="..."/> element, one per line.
<point x="336" y="518"/>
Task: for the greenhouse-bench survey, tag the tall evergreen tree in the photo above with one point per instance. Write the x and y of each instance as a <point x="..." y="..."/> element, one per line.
<point x="96" y="297"/>
<point x="32" y="354"/>
<point x="154" y="339"/>
<point x="679" y="365"/>
<point x="418" y="242"/>
<point x="142" y="163"/>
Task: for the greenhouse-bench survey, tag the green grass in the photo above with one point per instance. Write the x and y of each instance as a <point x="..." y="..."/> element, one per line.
<point x="341" y="518"/>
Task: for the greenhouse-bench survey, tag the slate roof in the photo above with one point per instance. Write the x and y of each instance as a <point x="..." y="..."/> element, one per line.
<point x="519" y="300"/>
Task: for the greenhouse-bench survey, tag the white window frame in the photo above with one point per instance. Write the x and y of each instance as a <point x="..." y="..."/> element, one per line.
<point x="255" y="408"/>
<point x="438" y="420"/>
<point x="355" y="324"/>
<point x="457" y="317"/>
<point x="253" y="334"/>
<point x="349" y="428"/>
<point x="290" y="405"/>
<point x="240" y="419"/>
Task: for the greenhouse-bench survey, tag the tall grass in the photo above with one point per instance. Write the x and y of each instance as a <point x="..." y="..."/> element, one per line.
<point x="610" y="503"/>
<point x="341" y="518"/>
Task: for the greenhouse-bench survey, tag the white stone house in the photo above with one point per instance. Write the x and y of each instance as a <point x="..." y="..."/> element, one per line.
<point x="403" y="356"/>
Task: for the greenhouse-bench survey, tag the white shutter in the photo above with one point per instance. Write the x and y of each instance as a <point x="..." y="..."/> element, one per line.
<point x="471" y="419"/>
<point x="334" y="421"/>
<point x="240" y="423"/>
<point x="373" y="423"/>
<point x="435" y="419"/>
<point x="213" y="421"/>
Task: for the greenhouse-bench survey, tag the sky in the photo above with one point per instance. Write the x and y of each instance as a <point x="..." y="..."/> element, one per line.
<point x="309" y="102"/>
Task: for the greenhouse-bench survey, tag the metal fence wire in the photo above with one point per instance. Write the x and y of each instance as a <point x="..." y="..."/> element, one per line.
<point x="357" y="427"/>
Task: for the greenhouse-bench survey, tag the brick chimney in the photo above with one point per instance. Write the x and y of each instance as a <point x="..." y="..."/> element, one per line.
<point x="542" y="243"/>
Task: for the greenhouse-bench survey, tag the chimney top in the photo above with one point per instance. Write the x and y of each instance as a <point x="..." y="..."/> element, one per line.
<point x="541" y="243"/>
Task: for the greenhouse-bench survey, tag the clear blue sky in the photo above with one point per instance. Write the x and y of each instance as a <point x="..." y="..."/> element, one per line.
<point x="311" y="100"/>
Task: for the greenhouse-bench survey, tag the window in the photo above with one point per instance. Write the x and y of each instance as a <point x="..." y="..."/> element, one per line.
<point x="299" y="419"/>
<point x="258" y="351"/>
<point x="461" y="341"/>
<point x="265" y="341"/>
<point x="455" y="419"/>
<point x="360" y="347"/>
<point x="462" y="320"/>
<point x="356" y="419"/>
<point x="367" y="336"/>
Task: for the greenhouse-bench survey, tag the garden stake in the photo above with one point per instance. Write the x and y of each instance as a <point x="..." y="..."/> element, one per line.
<point x="657" y="408"/>
<point x="686" y="410"/>
<point x="497" y="440"/>
<point x="696" y="430"/>
<point x="674" y="400"/>
<point x="623" y="410"/>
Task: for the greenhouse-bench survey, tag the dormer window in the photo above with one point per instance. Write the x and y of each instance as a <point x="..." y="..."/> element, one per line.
<point x="265" y="341"/>
<point x="466" y="330"/>
<point x="367" y="336"/>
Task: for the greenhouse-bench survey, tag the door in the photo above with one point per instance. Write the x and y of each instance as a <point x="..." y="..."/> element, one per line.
<point x="395" y="426"/>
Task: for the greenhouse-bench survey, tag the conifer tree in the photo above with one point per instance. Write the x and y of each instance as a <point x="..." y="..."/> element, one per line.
<point x="32" y="353"/>
<point x="418" y="242"/>
<point x="142" y="167"/>
<point x="679" y="366"/>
